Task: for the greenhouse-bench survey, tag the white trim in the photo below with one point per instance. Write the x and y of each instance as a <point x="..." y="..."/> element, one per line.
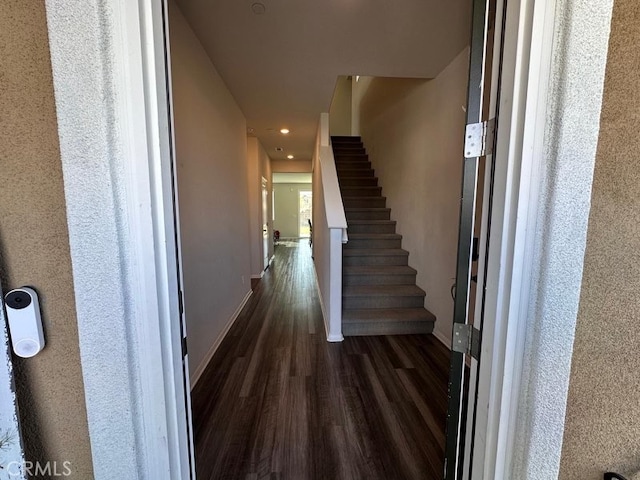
<point x="511" y="294"/>
<point x="335" y="286"/>
<point x="324" y="313"/>
<point x="110" y="86"/>
<point x="212" y="351"/>
<point x="535" y="77"/>
<point x="442" y="339"/>
<point x="330" y="338"/>
<point x="527" y="52"/>
<point x="258" y="277"/>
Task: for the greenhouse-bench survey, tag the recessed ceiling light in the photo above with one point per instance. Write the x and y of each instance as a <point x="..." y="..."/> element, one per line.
<point x="258" y="8"/>
<point x="279" y="149"/>
<point x="284" y="131"/>
<point x="290" y="157"/>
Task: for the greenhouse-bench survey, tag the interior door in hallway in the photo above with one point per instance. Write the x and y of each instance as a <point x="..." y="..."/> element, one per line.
<point x="474" y="214"/>
<point x="265" y="224"/>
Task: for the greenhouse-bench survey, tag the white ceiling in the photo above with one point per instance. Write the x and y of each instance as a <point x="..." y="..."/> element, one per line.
<point x="282" y="66"/>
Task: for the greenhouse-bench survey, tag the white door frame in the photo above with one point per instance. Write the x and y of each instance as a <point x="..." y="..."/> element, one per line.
<point x="111" y="86"/>
<point x="546" y="45"/>
<point x="110" y="80"/>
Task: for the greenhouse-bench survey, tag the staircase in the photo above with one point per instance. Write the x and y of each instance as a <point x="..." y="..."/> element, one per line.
<point x="379" y="292"/>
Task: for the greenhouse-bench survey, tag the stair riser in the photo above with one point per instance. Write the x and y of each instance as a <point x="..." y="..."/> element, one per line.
<point x="368" y="215"/>
<point x="348" y="147"/>
<point x="375" y="260"/>
<point x="379" y="202"/>
<point x="345" y="138"/>
<point x="384" y="328"/>
<point x="356" y="165"/>
<point x="374" y="243"/>
<point x="382" y="301"/>
<point x="350" y="157"/>
<point x="358" y="182"/>
<point x="354" y="172"/>
<point x="360" y="191"/>
<point x="371" y="228"/>
<point x="348" y="280"/>
<point x="348" y="150"/>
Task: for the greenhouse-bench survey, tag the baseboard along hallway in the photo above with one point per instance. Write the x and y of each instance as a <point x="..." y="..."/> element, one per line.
<point x="278" y="401"/>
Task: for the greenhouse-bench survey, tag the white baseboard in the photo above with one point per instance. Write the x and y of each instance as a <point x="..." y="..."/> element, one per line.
<point x="442" y="339"/>
<point x="193" y="379"/>
<point x="324" y="313"/>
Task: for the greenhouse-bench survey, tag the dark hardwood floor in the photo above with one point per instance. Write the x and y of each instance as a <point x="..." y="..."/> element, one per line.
<point x="277" y="401"/>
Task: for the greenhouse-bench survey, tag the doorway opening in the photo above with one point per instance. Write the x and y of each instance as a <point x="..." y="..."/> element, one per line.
<point x="304" y="213"/>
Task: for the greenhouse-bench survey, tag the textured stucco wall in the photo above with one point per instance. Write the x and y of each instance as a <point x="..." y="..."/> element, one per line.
<point x="86" y="73"/>
<point x="603" y="410"/>
<point x="413" y="131"/>
<point x="34" y="243"/>
<point x="581" y="32"/>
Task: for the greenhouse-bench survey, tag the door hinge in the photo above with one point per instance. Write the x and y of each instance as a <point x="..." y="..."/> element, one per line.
<point x="184" y="347"/>
<point x="479" y="138"/>
<point x="180" y="302"/>
<point x="466" y="339"/>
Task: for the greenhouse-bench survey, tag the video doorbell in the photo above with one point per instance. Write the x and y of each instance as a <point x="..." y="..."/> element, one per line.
<point x="25" y="324"/>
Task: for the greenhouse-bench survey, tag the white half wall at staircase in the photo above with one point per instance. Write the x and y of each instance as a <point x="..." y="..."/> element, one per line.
<point x="413" y="131"/>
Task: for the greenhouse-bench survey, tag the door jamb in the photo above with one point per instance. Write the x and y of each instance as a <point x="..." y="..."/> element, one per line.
<point x="520" y="155"/>
<point x="123" y="127"/>
<point x="526" y="64"/>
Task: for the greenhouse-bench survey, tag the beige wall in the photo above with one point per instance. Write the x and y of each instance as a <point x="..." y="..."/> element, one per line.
<point x="413" y="132"/>
<point x="340" y="110"/>
<point x="602" y="430"/>
<point x="291" y="166"/>
<point x="259" y="167"/>
<point x="211" y="147"/>
<point x="286" y="198"/>
<point x="34" y="244"/>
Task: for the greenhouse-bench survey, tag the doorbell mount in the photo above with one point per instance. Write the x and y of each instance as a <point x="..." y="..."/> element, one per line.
<point x="25" y="323"/>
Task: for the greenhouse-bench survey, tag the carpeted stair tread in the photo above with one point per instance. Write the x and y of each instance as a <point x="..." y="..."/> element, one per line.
<point x="375" y="235"/>
<point x="383" y="321"/>
<point x="383" y="290"/>
<point x="387" y="314"/>
<point x="374" y="252"/>
<point x="372" y="222"/>
<point x="378" y="270"/>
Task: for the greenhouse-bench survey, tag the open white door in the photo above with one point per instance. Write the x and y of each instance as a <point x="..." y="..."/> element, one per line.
<point x="265" y="224"/>
<point x="172" y="226"/>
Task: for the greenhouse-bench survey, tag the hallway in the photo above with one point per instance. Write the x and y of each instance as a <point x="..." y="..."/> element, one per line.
<point x="278" y="401"/>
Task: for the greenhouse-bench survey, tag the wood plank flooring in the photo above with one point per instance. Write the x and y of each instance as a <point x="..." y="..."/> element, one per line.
<point x="279" y="402"/>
